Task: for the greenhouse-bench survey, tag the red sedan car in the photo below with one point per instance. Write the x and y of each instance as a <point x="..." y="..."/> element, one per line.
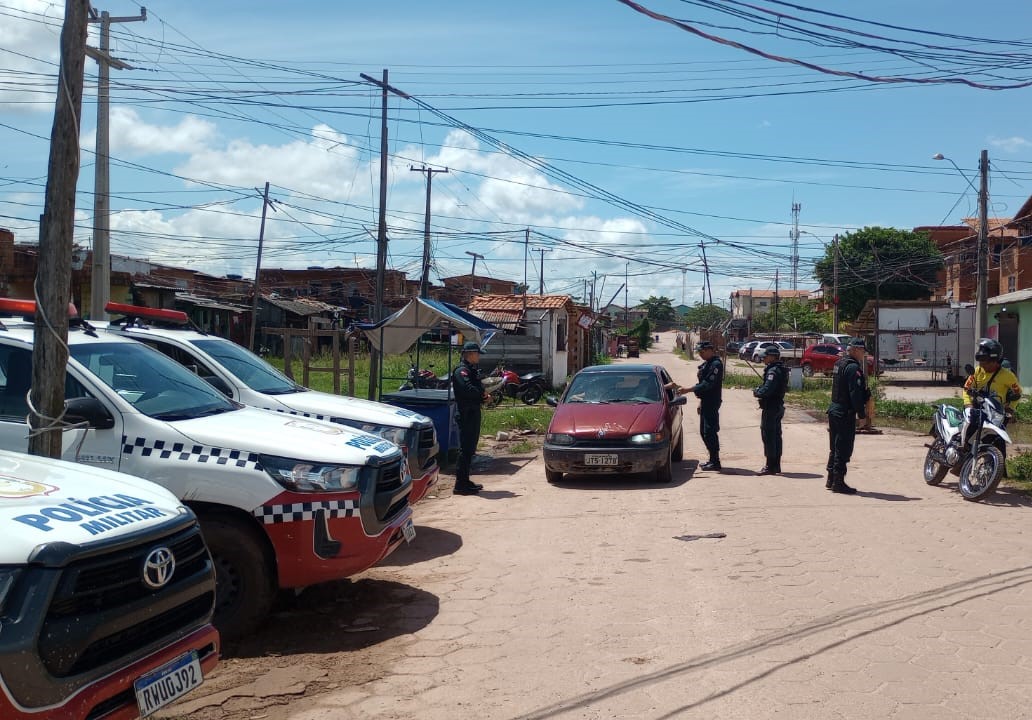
<point x="821" y="358"/>
<point x="616" y="419"/>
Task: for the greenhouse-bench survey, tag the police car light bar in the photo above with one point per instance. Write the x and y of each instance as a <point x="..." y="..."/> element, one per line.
<point x="138" y="311"/>
<point x="14" y="306"/>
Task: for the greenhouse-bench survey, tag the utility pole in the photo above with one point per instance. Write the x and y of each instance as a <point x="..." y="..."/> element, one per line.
<point x="835" y="298"/>
<point x="626" y="267"/>
<point x="53" y="278"/>
<point x="794" y="233"/>
<point x="100" y="278"/>
<point x="424" y="279"/>
<point x="541" y="272"/>
<point x="473" y="273"/>
<point x="705" y="267"/>
<point x="381" y="232"/>
<point x="684" y="275"/>
<point x="776" y="300"/>
<point x="266" y="204"/>
<point x="982" y="290"/>
<point x="526" y="252"/>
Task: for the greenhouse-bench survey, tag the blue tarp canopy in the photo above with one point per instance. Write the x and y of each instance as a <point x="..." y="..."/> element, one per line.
<point x="396" y="334"/>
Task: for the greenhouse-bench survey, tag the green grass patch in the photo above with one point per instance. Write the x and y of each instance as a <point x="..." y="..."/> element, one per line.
<point x="521" y="446"/>
<point x="519" y="417"/>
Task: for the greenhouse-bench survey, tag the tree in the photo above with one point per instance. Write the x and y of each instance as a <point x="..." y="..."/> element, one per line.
<point x="704" y="315"/>
<point x="659" y="308"/>
<point x="794" y="315"/>
<point x="898" y="264"/>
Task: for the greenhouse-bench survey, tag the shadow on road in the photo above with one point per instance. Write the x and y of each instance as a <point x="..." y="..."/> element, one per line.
<point x="802" y="476"/>
<point x="502" y="464"/>
<point x="682" y="472"/>
<point x="338" y="617"/>
<point x="885" y="496"/>
<point x="430" y="543"/>
<point x="1008" y="497"/>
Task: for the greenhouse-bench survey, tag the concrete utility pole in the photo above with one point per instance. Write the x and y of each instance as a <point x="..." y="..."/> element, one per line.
<point x="626" y="267"/>
<point x="53" y="278"/>
<point x="541" y="272"/>
<point x="424" y="278"/>
<point x="100" y="278"/>
<point x="796" y="207"/>
<point x="835" y="298"/>
<point x="473" y="273"/>
<point x="776" y="300"/>
<point x="705" y="266"/>
<point x="381" y="234"/>
<point x="982" y="290"/>
<point x="266" y="204"/>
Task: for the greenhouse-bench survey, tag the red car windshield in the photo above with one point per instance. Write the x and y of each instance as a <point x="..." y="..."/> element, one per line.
<point x="614" y="387"/>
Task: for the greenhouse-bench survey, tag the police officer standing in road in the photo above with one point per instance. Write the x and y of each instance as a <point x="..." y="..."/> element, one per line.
<point x="469" y="396"/>
<point x="771" y="395"/>
<point x="708" y="390"/>
<point x="848" y="402"/>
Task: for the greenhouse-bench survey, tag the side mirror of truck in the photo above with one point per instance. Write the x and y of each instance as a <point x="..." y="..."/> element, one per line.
<point x="90" y="411"/>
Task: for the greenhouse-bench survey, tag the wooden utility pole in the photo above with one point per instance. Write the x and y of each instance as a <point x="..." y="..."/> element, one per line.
<point x="424" y="278"/>
<point x="266" y="204"/>
<point x="834" y="299"/>
<point x="100" y="278"/>
<point x="53" y="278"/>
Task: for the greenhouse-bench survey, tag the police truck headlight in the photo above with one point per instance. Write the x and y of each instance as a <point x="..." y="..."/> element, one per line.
<point x="645" y="438"/>
<point x="303" y="476"/>
<point x="396" y="435"/>
<point x="559" y="438"/>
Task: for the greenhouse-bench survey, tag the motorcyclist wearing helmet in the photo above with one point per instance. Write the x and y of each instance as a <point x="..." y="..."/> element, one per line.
<point x="990" y="376"/>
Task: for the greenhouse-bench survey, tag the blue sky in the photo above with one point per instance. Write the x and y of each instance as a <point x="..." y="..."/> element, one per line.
<point x="598" y="99"/>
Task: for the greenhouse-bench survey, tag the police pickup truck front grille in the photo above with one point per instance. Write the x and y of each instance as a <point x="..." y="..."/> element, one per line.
<point x="427" y="447"/>
<point x="388" y="478"/>
<point x="102" y="609"/>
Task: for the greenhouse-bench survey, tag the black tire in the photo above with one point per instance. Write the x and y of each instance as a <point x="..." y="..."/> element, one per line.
<point x="678" y="454"/>
<point x="807" y="370"/>
<point x="980" y="475"/>
<point x="935" y="471"/>
<point x="532" y="394"/>
<point x="245" y="586"/>
<point x="553" y="476"/>
<point x="665" y="473"/>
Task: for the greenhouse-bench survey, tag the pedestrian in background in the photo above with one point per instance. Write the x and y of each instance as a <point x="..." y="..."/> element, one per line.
<point x="708" y="390"/>
<point x="771" y="395"/>
<point x="849" y="396"/>
<point x="469" y="396"/>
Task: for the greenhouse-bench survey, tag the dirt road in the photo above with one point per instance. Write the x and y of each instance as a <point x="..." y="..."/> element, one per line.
<point x="720" y="595"/>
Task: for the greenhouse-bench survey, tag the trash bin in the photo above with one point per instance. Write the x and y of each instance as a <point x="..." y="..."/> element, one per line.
<point x="438" y="405"/>
<point x="795" y="379"/>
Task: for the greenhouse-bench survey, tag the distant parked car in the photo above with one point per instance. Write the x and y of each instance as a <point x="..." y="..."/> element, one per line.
<point x="821" y="358"/>
<point x="745" y="351"/>
<point x="761" y="349"/>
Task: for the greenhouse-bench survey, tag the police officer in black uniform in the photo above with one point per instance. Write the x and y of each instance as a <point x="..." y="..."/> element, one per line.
<point x="708" y="390"/>
<point x="469" y="396"/>
<point x="771" y="395"/>
<point x="849" y="396"/>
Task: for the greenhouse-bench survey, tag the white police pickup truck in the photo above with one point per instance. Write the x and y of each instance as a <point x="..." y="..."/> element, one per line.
<point x="284" y="501"/>
<point x="245" y="377"/>
<point x="106" y="594"/>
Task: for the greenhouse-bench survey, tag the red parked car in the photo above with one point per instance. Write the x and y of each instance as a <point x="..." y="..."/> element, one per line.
<point x="615" y="419"/>
<point x="821" y="358"/>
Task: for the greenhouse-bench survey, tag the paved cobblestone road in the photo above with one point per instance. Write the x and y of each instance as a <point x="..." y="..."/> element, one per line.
<point x="603" y="599"/>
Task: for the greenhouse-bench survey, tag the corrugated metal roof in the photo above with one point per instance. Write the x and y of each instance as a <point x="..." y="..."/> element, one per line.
<point x="516" y="302"/>
<point x="505" y="319"/>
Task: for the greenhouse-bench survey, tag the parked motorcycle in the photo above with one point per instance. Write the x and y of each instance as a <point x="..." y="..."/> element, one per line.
<point x="980" y="464"/>
<point x="424" y="379"/>
<point x="529" y="387"/>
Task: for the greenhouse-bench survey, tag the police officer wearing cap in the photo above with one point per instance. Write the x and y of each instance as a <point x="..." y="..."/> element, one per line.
<point x="771" y="395"/>
<point x="708" y="390"/>
<point x="848" y="402"/>
<point x="469" y="396"/>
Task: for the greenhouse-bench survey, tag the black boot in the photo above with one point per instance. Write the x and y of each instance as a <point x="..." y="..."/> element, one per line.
<point x="712" y="464"/>
<point x="838" y="485"/>
<point x="830" y="481"/>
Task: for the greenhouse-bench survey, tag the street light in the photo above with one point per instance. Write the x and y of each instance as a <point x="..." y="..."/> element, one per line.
<point x="982" y="287"/>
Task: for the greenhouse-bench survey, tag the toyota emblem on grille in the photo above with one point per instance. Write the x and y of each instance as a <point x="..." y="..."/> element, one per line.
<point x="158" y="568"/>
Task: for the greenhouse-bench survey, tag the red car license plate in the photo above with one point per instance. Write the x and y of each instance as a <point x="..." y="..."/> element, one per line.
<point x="607" y="459"/>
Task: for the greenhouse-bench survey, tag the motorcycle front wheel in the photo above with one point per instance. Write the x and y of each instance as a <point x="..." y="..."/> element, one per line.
<point x="935" y="471"/>
<point x="532" y="394"/>
<point x="980" y="475"/>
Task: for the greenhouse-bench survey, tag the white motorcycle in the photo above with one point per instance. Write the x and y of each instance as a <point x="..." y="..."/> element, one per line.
<point x="982" y="463"/>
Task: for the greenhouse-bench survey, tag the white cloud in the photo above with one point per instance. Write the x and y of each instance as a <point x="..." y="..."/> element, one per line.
<point x="1011" y="144"/>
<point x="131" y="136"/>
<point x="30" y="49"/>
